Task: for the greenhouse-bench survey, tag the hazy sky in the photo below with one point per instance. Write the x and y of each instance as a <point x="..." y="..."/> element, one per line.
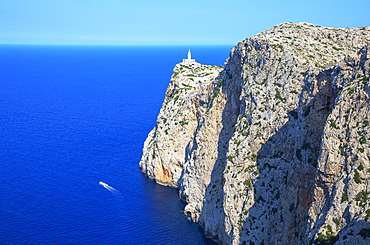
<point x="163" y="22"/>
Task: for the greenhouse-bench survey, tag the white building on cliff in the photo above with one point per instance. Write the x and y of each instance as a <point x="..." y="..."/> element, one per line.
<point x="189" y="60"/>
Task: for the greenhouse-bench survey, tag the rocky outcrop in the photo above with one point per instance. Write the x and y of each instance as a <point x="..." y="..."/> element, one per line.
<point x="187" y="97"/>
<point x="274" y="147"/>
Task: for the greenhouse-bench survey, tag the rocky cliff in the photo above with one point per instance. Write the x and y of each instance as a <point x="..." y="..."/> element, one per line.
<point x="273" y="148"/>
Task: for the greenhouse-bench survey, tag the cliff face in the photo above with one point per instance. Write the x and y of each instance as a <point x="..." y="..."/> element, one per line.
<point x="274" y="147"/>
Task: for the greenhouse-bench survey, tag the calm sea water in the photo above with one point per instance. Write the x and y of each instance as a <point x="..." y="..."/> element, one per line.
<point x="72" y="116"/>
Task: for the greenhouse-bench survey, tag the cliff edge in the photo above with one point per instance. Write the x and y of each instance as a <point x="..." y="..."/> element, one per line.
<point x="273" y="148"/>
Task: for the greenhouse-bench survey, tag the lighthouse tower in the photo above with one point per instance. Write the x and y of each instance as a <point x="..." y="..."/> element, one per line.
<point x="189" y="55"/>
<point x="189" y="60"/>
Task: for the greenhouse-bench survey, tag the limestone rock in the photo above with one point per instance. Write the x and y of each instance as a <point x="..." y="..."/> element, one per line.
<point x="186" y="98"/>
<point x="274" y="147"/>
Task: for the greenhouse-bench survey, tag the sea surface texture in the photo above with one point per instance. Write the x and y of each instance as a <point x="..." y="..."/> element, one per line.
<point x="73" y="120"/>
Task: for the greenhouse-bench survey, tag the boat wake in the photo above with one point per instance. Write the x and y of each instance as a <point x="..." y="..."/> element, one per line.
<point x="108" y="187"/>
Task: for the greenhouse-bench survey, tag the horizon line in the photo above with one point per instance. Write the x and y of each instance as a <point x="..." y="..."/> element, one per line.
<point x="42" y="44"/>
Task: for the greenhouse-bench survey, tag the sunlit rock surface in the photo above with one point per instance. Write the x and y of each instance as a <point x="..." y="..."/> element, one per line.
<point x="272" y="148"/>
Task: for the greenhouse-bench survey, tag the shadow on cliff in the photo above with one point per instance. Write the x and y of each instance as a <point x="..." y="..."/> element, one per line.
<point x="214" y="193"/>
<point x="287" y="165"/>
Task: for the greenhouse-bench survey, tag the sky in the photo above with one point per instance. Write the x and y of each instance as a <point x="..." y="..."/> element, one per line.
<point x="165" y="22"/>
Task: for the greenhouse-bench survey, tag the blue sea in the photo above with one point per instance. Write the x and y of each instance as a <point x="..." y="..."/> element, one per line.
<point x="74" y="116"/>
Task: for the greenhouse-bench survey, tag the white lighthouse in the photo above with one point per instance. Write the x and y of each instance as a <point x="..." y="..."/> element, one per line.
<point x="189" y="60"/>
